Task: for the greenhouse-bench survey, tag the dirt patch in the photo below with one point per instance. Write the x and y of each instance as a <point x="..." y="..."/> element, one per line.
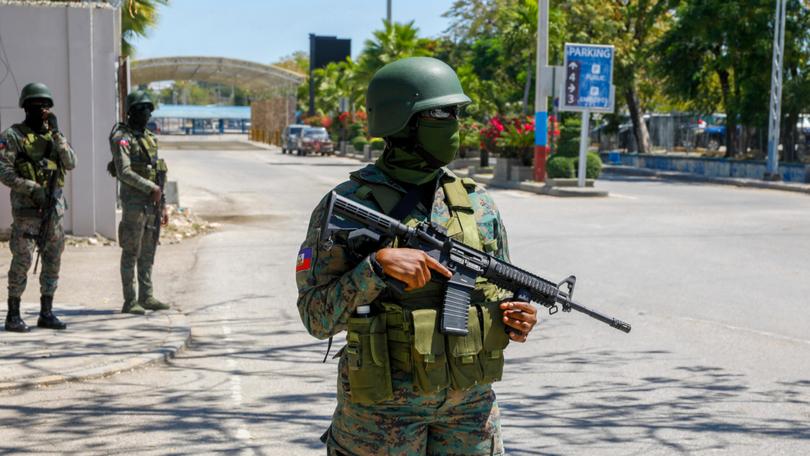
<point x="242" y="219"/>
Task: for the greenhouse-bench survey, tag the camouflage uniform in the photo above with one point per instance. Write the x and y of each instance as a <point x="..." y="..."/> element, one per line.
<point x="331" y="285"/>
<point x="135" y="160"/>
<point x="17" y="144"/>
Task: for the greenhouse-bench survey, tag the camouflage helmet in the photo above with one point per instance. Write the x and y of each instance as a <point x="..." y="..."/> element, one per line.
<point x="401" y="89"/>
<point x="138" y="97"/>
<point x="35" y="90"/>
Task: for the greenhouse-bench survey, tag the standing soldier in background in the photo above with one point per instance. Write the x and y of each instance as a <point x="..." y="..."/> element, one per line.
<point x="141" y="173"/>
<point x="34" y="158"/>
<point x="404" y="388"/>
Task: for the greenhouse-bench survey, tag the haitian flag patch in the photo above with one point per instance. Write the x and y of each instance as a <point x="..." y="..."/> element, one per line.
<point x="304" y="260"/>
<point x="3" y="144"/>
<point x="123" y="142"/>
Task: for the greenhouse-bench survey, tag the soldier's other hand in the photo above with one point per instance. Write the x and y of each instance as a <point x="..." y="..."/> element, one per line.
<point x="520" y="317"/>
<point x="40" y="196"/>
<point x="164" y="218"/>
<point x="53" y="125"/>
<point x="410" y="266"/>
<point x="156" y="194"/>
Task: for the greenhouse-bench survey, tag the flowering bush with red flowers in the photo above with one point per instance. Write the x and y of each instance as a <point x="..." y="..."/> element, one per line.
<point x="490" y="133"/>
<point x="516" y="139"/>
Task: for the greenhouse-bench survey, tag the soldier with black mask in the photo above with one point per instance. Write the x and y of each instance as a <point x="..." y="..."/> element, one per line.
<point x="34" y="158"/>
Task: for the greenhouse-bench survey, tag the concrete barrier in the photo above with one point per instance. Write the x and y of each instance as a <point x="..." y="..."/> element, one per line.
<point x="708" y="167"/>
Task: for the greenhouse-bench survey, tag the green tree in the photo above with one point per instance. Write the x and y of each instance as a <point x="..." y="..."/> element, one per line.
<point x="137" y="17"/>
<point x="298" y="62"/>
<point x="717" y="57"/>
<point x="395" y="41"/>
<point x="634" y="30"/>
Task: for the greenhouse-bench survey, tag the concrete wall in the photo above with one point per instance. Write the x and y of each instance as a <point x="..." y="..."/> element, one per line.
<point x="708" y="167"/>
<point x="74" y="49"/>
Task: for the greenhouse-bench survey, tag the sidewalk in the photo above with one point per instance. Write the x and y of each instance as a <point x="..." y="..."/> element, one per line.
<point x="99" y="340"/>
<point x="672" y="175"/>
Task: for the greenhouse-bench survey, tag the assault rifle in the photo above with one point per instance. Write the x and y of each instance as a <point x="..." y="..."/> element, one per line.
<point x="54" y="195"/>
<point x="464" y="262"/>
<point x="161" y="182"/>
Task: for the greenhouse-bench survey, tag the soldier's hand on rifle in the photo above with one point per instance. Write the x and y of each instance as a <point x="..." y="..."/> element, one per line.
<point x="40" y="196"/>
<point x="156" y="194"/>
<point x="410" y="266"/>
<point x="164" y="218"/>
<point x="520" y="317"/>
<point x="52" y="123"/>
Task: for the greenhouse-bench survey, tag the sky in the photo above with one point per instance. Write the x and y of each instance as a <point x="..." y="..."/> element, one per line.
<point x="264" y="31"/>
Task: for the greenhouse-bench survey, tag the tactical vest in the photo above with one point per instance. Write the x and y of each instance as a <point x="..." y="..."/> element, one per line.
<point x="144" y="161"/>
<point x="404" y="333"/>
<point x="38" y="158"/>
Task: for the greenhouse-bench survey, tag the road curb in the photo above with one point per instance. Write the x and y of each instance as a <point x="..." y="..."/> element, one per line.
<point x="179" y="335"/>
<point x="672" y="175"/>
<point x="540" y="189"/>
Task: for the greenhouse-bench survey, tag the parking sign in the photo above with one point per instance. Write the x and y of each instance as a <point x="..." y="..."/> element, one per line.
<point x="588" y="80"/>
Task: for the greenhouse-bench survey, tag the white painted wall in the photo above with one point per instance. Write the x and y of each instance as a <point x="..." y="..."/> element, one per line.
<point x="73" y="48"/>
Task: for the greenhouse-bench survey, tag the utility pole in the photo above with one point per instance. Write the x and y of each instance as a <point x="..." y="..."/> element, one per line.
<point x="540" y="99"/>
<point x="388" y="12"/>
<point x="775" y="111"/>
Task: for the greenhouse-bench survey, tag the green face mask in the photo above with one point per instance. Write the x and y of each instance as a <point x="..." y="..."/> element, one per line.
<point x="439" y="138"/>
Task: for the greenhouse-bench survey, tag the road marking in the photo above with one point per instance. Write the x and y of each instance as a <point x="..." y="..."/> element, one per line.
<point x="242" y="432"/>
<point x="619" y="195"/>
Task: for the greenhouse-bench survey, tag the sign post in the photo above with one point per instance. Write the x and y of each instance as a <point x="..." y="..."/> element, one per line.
<point x="588" y="87"/>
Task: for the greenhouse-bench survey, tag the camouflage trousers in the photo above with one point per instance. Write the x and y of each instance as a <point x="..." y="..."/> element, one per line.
<point x="22" y="246"/>
<point x="462" y="423"/>
<point x="136" y="236"/>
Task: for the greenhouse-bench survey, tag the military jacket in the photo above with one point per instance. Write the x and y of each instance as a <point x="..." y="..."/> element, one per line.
<point x="135" y="156"/>
<point x="332" y="283"/>
<point x="26" y="160"/>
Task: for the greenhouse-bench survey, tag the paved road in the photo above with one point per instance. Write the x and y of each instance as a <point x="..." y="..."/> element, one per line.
<point x="712" y="278"/>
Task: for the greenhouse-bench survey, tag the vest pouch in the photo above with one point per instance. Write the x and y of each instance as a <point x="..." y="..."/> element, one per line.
<point x="111" y="169"/>
<point x="429" y="359"/>
<point x="26" y="171"/>
<point x="495" y="341"/>
<point x="161" y="166"/>
<point x="463" y="353"/>
<point x="144" y="170"/>
<point x="367" y="357"/>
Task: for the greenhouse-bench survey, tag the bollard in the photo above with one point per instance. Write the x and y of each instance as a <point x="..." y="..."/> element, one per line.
<point x="367" y="153"/>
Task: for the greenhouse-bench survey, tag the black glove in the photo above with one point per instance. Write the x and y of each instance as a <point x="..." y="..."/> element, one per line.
<point x="52" y="124"/>
<point x="40" y="197"/>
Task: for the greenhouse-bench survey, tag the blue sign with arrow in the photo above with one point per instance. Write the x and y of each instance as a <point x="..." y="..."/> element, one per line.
<point x="588" y="84"/>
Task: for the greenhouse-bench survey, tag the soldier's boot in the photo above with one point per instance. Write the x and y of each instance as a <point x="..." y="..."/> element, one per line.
<point x="151" y="303"/>
<point x="15" y="323"/>
<point x="132" y="307"/>
<point x="46" y="317"/>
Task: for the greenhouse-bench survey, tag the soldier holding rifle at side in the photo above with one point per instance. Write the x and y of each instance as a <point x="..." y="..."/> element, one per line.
<point x="142" y="175"/>
<point x="34" y="159"/>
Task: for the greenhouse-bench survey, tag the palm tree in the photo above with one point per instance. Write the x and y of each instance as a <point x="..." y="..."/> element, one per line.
<point x="395" y="41"/>
<point x="137" y="17"/>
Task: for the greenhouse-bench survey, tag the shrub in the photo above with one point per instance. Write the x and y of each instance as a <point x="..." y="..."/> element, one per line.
<point x="593" y="166"/>
<point x="377" y="144"/>
<point x="559" y="167"/>
<point x="359" y="142"/>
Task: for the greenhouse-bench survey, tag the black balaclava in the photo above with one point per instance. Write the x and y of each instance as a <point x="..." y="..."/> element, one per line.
<point x="139" y="116"/>
<point x="35" y="114"/>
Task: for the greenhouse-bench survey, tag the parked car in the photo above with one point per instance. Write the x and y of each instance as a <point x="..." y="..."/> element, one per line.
<point x="290" y="138"/>
<point x="316" y="140"/>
